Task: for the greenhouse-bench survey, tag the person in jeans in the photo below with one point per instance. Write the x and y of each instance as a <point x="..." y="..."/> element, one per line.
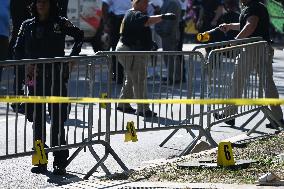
<point x="136" y="36"/>
<point x="254" y="22"/>
<point x="43" y="36"/>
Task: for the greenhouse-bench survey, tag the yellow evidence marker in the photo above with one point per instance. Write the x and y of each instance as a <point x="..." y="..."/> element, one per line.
<point x="130" y="134"/>
<point x="225" y="155"/>
<point x="103" y="95"/>
<point x="40" y="156"/>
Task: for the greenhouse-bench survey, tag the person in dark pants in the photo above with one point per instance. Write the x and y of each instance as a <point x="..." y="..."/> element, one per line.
<point x="209" y="14"/>
<point x="253" y="22"/>
<point x="19" y="13"/>
<point x="47" y="27"/>
<point x="113" y="13"/>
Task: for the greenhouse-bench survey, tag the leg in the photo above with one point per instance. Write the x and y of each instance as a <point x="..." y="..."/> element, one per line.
<point x="172" y="63"/>
<point x="270" y="87"/>
<point x="137" y="73"/>
<point x="241" y="73"/>
<point x="58" y="117"/>
<point x="127" y="88"/>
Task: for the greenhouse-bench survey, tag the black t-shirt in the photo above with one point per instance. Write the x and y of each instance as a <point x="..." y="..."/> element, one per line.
<point x="209" y="7"/>
<point x="133" y="32"/>
<point x="255" y="8"/>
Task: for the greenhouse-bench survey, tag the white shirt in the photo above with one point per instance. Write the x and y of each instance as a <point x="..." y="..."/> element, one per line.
<point x="118" y="7"/>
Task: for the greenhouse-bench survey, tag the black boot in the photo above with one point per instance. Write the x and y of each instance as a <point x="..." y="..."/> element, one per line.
<point x="59" y="170"/>
<point x="39" y="169"/>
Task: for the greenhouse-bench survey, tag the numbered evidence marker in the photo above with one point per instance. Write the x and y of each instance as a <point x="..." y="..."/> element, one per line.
<point x="130" y="134"/>
<point x="103" y="95"/>
<point x="40" y="156"/>
<point x="225" y="154"/>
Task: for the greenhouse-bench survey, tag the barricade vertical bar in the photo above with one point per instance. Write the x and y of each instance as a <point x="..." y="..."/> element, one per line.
<point x="26" y="109"/>
<point x="90" y="110"/>
<point x="60" y="105"/>
<point x="17" y="109"/>
<point x="153" y="62"/>
<point x="108" y="106"/>
<point x="86" y="87"/>
<point x="52" y="110"/>
<point x="100" y="105"/>
<point x="110" y="65"/>
<point x="7" y="122"/>
<point x="193" y="86"/>
<point x="70" y="67"/>
<point x="43" y="120"/>
<point x="76" y="105"/>
<point x="160" y="91"/>
<point x="202" y="89"/>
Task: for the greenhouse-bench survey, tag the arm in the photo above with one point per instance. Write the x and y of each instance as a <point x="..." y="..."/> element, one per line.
<point x="249" y="28"/>
<point x="153" y="20"/>
<point x="227" y="27"/>
<point x="69" y="29"/>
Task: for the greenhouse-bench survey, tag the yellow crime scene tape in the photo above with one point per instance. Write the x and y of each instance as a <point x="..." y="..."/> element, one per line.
<point x="54" y="99"/>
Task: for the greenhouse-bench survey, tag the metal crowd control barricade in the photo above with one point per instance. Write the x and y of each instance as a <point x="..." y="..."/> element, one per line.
<point x="72" y="77"/>
<point x="211" y="46"/>
<point x="239" y="71"/>
<point x="159" y="86"/>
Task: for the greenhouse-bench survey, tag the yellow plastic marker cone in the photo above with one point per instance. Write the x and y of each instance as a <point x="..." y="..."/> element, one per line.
<point x="40" y="156"/>
<point x="225" y="154"/>
<point x="130" y="132"/>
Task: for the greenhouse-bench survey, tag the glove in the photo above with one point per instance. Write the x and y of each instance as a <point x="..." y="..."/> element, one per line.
<point x="169" y="16"/>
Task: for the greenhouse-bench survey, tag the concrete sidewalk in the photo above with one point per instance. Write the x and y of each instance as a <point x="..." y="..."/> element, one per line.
<point x="135" y="185"/>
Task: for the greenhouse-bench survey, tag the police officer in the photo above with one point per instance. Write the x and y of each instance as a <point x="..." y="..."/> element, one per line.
<point x="136" y="36"/>
<point x="43" y="36"/>
<point x="20" y="11"/>
<point x="113" y="13"/>
<point x="254" y="22"/>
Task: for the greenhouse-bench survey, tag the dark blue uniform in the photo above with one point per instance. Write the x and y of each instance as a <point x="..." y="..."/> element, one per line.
<point x="46" y="39"/>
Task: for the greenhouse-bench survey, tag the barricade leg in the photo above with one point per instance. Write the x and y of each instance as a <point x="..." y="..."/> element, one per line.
<point x="256" y="126"/>
<point x="108" y="150"/>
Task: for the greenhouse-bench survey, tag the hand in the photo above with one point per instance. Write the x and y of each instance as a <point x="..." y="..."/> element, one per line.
<point x="224" y="27"/>
<point x="169" y="16"/>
